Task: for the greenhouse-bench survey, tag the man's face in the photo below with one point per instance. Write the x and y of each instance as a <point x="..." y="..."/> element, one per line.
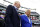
<point x="28" y="13"/>
<point x="18" y="5"/>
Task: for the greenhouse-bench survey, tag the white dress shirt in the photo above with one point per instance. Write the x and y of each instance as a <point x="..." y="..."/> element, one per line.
<point x="16" y="8"/>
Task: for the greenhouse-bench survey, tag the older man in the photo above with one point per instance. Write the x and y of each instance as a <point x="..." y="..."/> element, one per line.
<point x="26" y="20"/>
<point x="12" y="17"/>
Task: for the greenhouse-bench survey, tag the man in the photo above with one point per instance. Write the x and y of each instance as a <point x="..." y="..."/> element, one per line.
<point x="26" y="20"/>
<point x="12" y="17"/>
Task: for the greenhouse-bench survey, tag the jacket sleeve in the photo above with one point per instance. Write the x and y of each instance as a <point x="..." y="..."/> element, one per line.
<point x="23" y="18"/>
<point x="8" y="14"/>
<point x="31" y="23"/>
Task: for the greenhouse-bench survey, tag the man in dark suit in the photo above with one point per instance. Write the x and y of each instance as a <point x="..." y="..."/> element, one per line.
<point x="12" y="17"/>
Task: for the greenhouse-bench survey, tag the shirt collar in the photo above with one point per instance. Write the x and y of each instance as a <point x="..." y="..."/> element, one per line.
<point x="25" y="14"/>
<point x="15" y="6"/>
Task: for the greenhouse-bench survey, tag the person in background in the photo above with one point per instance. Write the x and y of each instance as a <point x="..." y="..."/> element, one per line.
<point x="26" y="20"/>
<point x="12" y="18"/>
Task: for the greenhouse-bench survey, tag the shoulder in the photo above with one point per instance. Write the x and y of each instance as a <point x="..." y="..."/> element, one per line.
<point x="9" y="6"/>
<point x="22" y="15"/>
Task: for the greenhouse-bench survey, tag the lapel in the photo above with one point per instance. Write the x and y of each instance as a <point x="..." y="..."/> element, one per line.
<point x="14" y="10"/>
<point x="26" y="18"/>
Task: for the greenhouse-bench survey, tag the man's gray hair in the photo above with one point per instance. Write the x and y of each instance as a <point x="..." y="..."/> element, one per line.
<point x="27" y="10"/>
<point x="16" y="2"/>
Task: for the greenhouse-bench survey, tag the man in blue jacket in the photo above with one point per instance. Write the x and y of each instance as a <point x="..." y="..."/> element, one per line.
<point x="26" y="20"/>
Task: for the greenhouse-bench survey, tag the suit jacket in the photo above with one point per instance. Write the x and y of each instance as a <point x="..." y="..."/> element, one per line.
<point x="25" y="22"/>
<point x="12" y="17"/>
